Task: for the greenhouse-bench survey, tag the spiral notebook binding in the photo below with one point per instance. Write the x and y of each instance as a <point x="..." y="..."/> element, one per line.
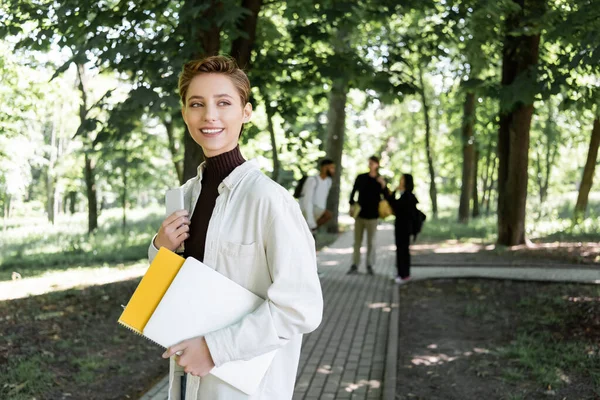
<point x="136" y="331"/>
<point x="131" y="328"/>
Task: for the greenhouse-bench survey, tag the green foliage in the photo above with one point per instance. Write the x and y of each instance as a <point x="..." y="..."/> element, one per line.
<point x="131" y="55"/>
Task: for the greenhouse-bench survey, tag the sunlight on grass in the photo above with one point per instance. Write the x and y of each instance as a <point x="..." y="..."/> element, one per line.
<point x="53" y="281"/>
<point x="555" y="225"/>
<point x="38" y="246"/>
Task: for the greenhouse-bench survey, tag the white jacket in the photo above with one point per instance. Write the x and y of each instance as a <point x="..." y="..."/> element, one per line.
<point x="258" y="238"/>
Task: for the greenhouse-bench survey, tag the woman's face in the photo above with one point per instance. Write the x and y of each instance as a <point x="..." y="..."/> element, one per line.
<point x="402" y="185"/>
<point x="214" y="113"/>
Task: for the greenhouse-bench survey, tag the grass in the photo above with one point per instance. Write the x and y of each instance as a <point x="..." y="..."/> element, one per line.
<point x="557" y="339"/>
<point x="33" y="246"/>
<point x="81" y="350"/>
<point x="555" y="225"/>
<point x="550" y="362"/>
<point x="27" y="377"/>
<point x="88" y="368"/>
<point x="474" y="310"/>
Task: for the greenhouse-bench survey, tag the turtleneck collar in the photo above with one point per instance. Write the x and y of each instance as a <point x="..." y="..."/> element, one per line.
<point x="219" y="167"/>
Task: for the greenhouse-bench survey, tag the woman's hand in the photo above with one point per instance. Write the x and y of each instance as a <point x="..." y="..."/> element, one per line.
<point x="381" y="181"/>
<point x="173" y="231"/>
<point x="193" y="355"/>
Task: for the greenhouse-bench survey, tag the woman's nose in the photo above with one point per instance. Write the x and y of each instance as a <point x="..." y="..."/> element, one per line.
<point x="211" y="113"/>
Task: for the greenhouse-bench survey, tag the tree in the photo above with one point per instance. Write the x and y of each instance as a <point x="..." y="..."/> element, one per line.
<point x="546" y="152"/>
<point x="587" y="179"/>
<point x="575" y="72"/>
<point x="469" y="175"/>
<point x="519" y="59"/>
<point x="471" y="31"/>
<point x="342" y="66"/>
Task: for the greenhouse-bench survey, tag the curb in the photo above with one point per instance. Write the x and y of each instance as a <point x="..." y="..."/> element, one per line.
<point x="511" y="273"/>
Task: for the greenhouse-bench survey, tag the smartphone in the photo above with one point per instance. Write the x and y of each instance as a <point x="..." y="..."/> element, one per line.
<point x="174" y="200"/>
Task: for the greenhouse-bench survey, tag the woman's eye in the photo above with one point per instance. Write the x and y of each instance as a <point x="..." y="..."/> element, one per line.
<point x="196" y="105"/>
<point x="223" y="103"/>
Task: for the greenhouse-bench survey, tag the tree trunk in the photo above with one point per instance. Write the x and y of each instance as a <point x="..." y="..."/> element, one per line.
<point x="487" y="172"/>
<point x="6" y="211"/>
<point x="72" y="201"/>
<point x="335" y="144"/>
<point x="520" y="55"/>
<point x="539" y="177"/>
<point x="50" y="197"/>
<point x="493" y="189"/>
<point x="588" y="171"/>
<point x="89" y="173"/>
<point x="210" y="38"/>
<point x="90" y="184"/>
<point x="193" y="156"/>
<point x="168" y="123"/>
<point x="50" y="178"/>
<point x="210" y="44"/>
<point x="124" y="194"/>
<point x="411" y="143"/>
<point x="241" y="48"/>
<point x="493" y="183"/>
<point x="428" y="149"/>
<point x="271" y="128"/>
<point x="544" y="169"/>
<point x="321" y="132"/>
<point x="468" y="143"/>
<point x="476" y="211"/>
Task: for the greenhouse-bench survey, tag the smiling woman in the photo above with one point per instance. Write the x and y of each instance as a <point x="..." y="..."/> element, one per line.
<point x="247" y="228"/>
<point x="215" y="95"/>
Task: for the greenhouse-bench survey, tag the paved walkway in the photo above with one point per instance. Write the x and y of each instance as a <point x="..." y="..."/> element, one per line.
<point x="346" y="357"/>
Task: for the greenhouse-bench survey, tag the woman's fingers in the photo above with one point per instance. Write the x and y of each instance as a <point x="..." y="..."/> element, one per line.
<point x="182" y="230"/>
<point x="173" y="230"/>
<point x="181" y="234"/>
<point x="175" y="223"/>
<point x="175" y="349"/>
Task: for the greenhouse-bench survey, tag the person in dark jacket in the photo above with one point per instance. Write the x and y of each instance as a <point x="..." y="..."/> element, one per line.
<point x="404" y="209"/>
<point x="370" y="190"/>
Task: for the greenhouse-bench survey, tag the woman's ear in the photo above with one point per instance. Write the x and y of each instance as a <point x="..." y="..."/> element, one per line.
<point x="247" y="112"/>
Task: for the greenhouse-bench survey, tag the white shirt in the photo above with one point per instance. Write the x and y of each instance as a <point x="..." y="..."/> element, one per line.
<point x="314" y="193"/>
<point x="258" y="238"/>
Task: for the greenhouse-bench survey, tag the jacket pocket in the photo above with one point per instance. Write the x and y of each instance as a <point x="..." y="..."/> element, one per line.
<point x="238" y="249"/>
<point x="245" y="264"/>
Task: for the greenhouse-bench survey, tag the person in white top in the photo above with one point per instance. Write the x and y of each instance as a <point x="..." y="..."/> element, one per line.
<point x="313" y="201"/>
<point x="255" y="236"/>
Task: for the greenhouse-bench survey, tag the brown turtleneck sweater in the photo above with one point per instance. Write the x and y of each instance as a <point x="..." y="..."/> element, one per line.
<point x="217" y="168"/>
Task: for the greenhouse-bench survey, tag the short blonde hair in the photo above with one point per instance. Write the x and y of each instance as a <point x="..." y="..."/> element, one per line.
<point x="214" y="65"/>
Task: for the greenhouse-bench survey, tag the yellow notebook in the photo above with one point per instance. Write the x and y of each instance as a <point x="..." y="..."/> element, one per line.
<point x="151" y="290"/>
<point x="172" y="288"/>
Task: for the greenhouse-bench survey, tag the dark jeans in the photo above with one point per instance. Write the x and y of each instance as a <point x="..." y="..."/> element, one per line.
<point x="403" y="254"/>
